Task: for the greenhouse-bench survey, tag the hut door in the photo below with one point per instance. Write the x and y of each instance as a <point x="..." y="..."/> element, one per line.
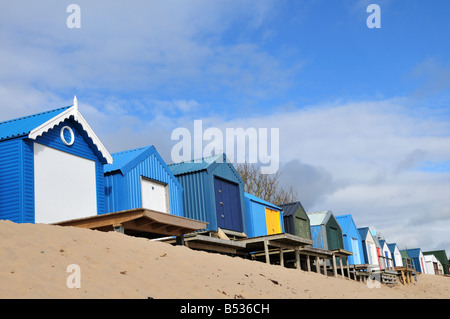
<point x="272" y="221"/>
<point x="155" y="196"/>
<point x="228" y="205"/>
<point x="65" y="185"/>
<point x="355" y="250"/>
<point x="333" y="241"/>
<point x="301" y="227"/>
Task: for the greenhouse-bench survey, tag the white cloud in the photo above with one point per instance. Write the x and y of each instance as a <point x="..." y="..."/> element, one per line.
<point x="144" y="46"/>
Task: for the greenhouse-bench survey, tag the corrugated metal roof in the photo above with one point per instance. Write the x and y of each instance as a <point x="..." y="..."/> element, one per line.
<point x="318" y="218"/>
<point x="195" y="165"/>
<point x="24" y="125"/>
<point x="121" y="159"/>
<point x="344" y="221"/>
<point x="414" y="253"/>
<point x="290" y="209"/>
<point x="392" y="247"/>
<point x="261" y="201"/>
<point x="363" y="232"/>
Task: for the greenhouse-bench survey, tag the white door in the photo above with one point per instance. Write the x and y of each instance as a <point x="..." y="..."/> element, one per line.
<point x="155" y="196"/>
<point x="64" y="185"/>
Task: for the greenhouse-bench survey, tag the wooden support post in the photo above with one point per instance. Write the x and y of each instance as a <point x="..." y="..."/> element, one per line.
<point x="334" y="265"/>
<point x="266" y="252"/>
<point x="317" y="265"/>
<point x="297" y="258"/>
<point x="179" y="240"/>
<point x="348" y="271"/>
<point x="281" y="257"/>
<point x="403" y="277"/>
<point x="308" y="263"/>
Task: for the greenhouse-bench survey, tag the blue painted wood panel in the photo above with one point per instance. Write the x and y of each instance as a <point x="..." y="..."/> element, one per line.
<point x="17" y="181"/>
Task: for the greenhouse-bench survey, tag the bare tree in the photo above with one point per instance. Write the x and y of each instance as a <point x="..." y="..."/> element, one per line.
<point x="265" y="186"/>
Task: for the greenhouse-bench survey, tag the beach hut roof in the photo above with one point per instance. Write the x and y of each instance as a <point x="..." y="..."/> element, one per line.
<point x="262" y="201"/>
<point x="383" y="242"/>
<point x="204" y="164"/>
<point x="440" y="254"/>
<point x="414" y="253"/>
<point x="319" y="218"/>
<point x="363" y="231"/>
<point x="33" y="126"/>
<point x="405" y="254"/>
<point x="345" y="222"/>
<point x="392" y="247"/>
<point x="196" y="165"/>
<point x="125" y="161"/>
<point x="291" y="208"/>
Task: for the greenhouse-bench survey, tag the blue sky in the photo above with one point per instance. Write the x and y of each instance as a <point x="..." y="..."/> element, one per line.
<point x="363" y="113"/>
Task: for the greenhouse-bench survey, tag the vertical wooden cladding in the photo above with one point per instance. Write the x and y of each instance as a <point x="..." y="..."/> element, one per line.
<point x="196" y="199"/>
<point x="17" y="181"/>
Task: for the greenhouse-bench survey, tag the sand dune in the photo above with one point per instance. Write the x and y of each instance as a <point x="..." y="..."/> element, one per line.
<point x="34" y="260"/>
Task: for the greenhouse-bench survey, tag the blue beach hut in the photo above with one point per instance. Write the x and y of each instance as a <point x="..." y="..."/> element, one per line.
<point x="139" y="178"/>
<point x="352" y="239"/>
<point x="51" y="167"/>
<point x="213" y="193"/>
<point x="369" y="247"/>
<point x="263" y="218"/>
<point x="396" y="255"/>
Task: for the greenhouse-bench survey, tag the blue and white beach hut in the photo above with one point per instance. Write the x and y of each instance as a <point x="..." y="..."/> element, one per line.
<point x="139" y="178"/>
<point x="369" y="248"/>
<point x="386" y="254"/>
<point x="51" y="167"/>
<point x="396" y="255"/>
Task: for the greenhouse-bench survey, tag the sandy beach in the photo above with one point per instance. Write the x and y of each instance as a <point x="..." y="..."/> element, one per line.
<point x="36" y="259"/>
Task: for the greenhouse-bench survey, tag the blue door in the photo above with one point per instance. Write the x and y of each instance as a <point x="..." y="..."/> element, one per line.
<point x="355" y="250"/>
<point x="228" y="205"/>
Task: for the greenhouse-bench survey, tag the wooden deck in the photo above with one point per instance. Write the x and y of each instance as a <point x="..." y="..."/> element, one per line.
<point x="280" y="242"/>
<point x="138" y="222"/>
<point x="219" y="245"/>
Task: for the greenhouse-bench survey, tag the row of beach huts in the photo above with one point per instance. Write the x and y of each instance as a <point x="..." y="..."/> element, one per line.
<point x="54" y="169"/>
